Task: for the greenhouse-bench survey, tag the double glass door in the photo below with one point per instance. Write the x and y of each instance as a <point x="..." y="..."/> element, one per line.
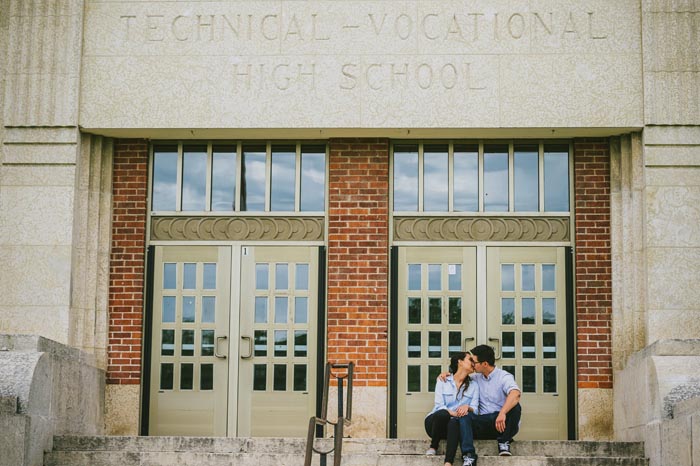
<point x="233" y="348"/>
<point x="512" y="298"/>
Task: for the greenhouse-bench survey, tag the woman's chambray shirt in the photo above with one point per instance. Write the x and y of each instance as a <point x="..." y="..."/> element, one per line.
<point x="446" y="396"/>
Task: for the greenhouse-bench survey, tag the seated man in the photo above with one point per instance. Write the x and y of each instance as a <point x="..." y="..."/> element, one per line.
<point x="499" y="407"/>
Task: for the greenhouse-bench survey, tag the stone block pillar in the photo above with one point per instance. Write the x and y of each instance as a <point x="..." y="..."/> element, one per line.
<point x="656" y="239"/>
<point x="54" y="182"/>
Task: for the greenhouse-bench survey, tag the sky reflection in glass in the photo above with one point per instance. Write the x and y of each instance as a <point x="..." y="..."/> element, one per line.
<point x="164" y="178"/>
<point x="194" y="178"/>
<point x="526" y="178"/>
<point x="496" y="178"/>
<point x="253" y="179"/>
<point x="435" y="179"/>
<point x="406" y="178"/>
<point x="556" y="178"/>
<point x="223" y="178"/>
<point x="283" y="179"/>
<point x="313" y="178"/>
<point x="466" y="179"/>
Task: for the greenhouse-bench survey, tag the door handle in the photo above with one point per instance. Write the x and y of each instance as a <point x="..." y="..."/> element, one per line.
<point x="498" y="345"/>
<point x="250" y="347"/>
<point x="216" y="347"/>
<point x="467" y="339"/>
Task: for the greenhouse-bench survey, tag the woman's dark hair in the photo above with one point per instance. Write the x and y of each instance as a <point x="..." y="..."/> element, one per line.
<point x="454" y="365"/>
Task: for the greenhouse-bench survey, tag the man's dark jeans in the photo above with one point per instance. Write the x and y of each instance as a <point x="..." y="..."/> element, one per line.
<point x="483" y="427"/>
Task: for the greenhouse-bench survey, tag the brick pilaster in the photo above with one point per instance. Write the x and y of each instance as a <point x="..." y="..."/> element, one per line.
<point x="358" y="257"/>
<point x="593" y="263"/>
<point x="127" y="261"/>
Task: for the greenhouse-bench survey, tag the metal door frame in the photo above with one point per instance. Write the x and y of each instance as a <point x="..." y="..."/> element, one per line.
<point x="147" y="340"/>
<point x="570" y="331"/>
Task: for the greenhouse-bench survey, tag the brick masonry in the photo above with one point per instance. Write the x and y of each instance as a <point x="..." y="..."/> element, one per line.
<point x="127" y="261"/>
<point x="358" y="260"/>
<point x="593" y="263"/>
<point x="358" y="257"/>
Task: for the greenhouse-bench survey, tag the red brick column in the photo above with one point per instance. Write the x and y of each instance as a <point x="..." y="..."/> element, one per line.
<point x="358" y="257"/>
<point x="593" y="263"/>
<point x="127" y="261"/>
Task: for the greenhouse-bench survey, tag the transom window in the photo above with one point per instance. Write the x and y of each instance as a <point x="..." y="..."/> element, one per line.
<point x="244" y="177"/>
<point x="481" y="177"/>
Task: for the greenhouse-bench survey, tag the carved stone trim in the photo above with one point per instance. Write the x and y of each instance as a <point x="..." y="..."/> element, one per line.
<point x="237" y="228"/>
<point x="481" y="229"/>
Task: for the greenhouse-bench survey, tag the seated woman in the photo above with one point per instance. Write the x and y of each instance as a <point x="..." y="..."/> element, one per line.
<point x="454" y="398"/>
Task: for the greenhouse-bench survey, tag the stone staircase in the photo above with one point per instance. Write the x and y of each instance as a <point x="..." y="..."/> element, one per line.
<point x="211" y="451"/>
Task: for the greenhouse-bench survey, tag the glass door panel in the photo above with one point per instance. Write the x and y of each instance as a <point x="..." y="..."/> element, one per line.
<point x="277" y="391"/>
<point x="526" y="308"/>
<point x="189" y="366"/>
<point x="437" y="317"/>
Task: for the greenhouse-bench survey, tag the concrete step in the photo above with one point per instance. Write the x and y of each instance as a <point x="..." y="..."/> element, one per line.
<point x="269" y="459"/>
<point x="213" y="451"/>
<point x="350" y="446"/>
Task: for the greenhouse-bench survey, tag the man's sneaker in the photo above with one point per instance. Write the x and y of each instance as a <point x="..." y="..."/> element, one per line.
<point x="430" y="452"/>
<point x="469" y="460"/>
<point x="504" y="449"/>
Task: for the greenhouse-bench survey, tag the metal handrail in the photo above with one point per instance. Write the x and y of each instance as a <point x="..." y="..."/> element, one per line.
<point x="339" y="425"/>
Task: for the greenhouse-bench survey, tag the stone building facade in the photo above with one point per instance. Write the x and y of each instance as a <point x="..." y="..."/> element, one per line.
<point x="102" y="100"/>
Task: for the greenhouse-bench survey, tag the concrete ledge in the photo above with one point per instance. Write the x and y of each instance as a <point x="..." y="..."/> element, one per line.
<point x="46" y="388"/>
<point x="657" y="401"/>
<point x="669" y="348"/>
<point x="687" y="407"/>
<point x="13" y="439"/>
<point x="671" y="135"/>
<point x="8" y="405"/>
<point x="34" y="343"/>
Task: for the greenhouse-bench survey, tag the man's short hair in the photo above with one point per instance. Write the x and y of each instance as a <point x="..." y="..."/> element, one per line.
<point x="484" y="353"/>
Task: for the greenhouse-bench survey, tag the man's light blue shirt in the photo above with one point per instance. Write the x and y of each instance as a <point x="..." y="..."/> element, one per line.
<point x="494" y="389"/>
<point x="446" y="396"/>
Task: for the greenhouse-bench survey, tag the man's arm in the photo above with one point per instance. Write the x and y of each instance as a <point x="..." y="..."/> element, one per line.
<point x="512" y="399"/>
<point x="439" y="398"/>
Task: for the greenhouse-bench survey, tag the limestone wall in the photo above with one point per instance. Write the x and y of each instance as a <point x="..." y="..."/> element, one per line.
<point x="657" y="264"/>
<point x="671" y="168"/>
<point x="329" y="65"/>
<point x="54" y="182"/>
<point x="38" y="171"/>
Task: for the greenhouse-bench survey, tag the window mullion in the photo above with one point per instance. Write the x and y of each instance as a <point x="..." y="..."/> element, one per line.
<point x="571" y="181"/>
<point x="420" y="177"/>
<point x="239" y="176"/>
<point x="209" y="175"/>
<point x="180" y="161"/>
<point x="511" y="177"/>
<point x="481" y="176"/>
<point x="540" y="168"/>
<point x="450" y="177"/>
<point x="297" y="179"/>
<point x="268" y="176"/>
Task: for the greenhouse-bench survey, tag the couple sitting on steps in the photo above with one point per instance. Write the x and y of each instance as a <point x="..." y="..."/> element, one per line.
<point x="475" y="400"/>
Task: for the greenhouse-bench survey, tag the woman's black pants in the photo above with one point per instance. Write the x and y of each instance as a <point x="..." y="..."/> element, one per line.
<point x="440" y="425"/>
